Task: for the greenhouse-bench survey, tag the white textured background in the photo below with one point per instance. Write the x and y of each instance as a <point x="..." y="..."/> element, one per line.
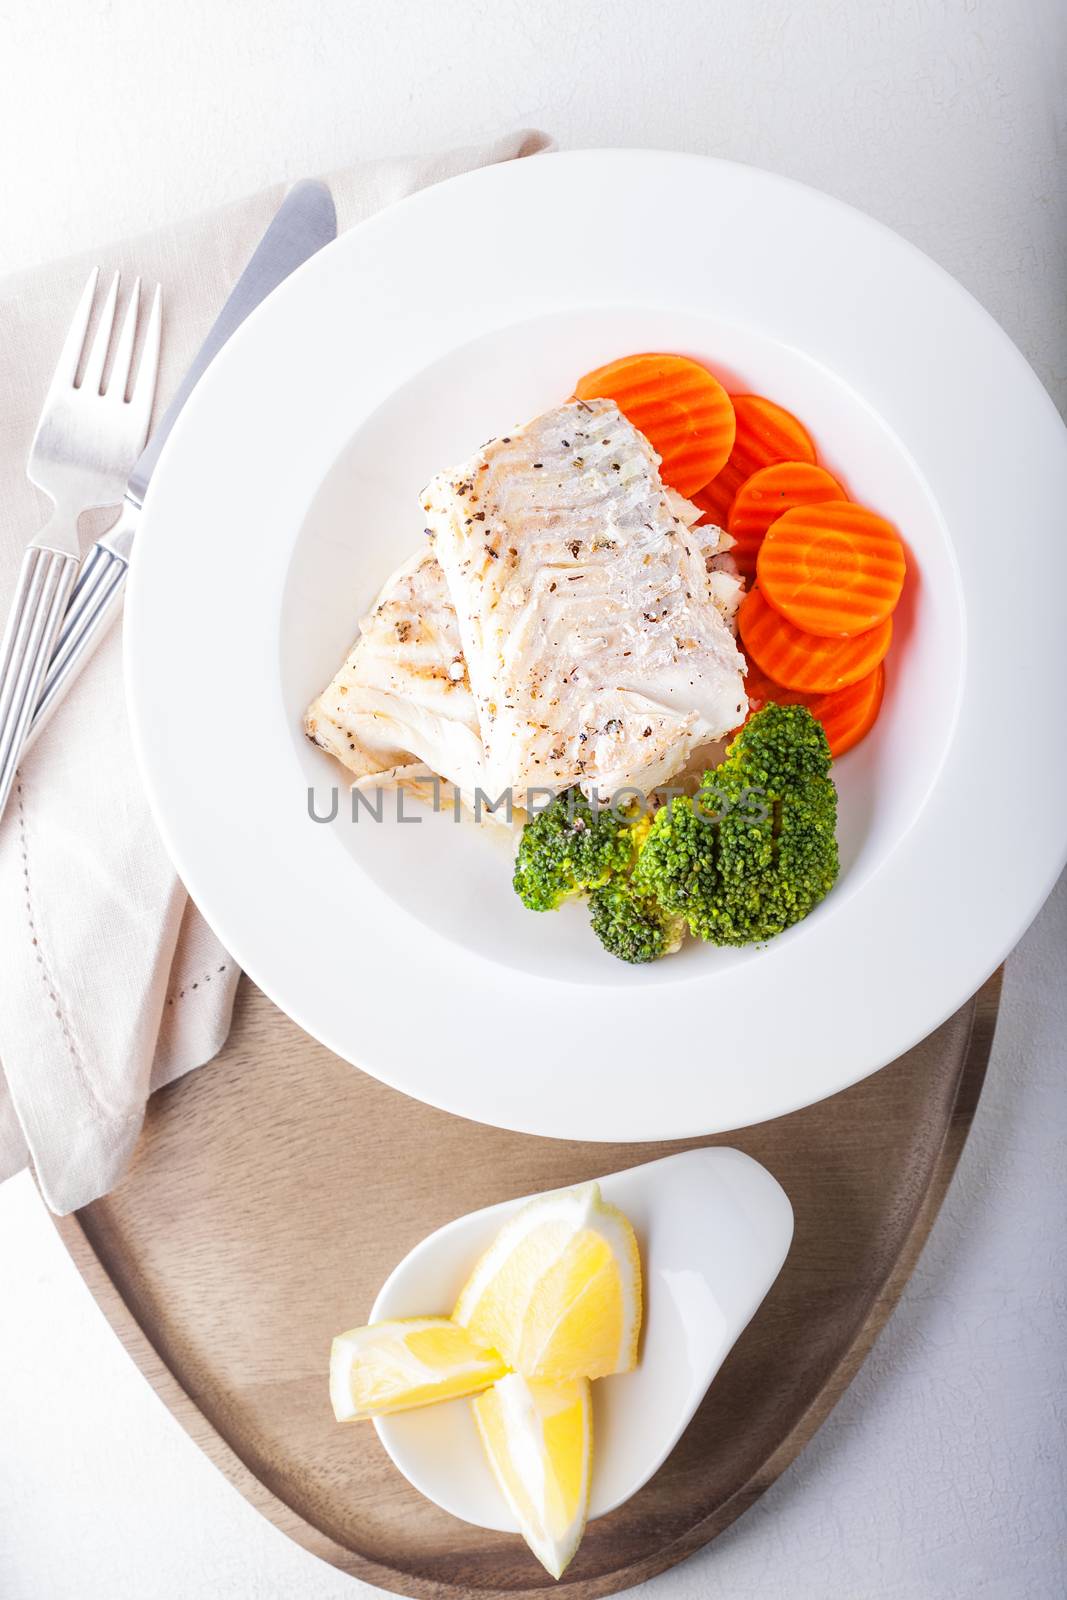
<point x="941" y="1476"/>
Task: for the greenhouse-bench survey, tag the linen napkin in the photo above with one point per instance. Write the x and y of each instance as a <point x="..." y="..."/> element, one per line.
<point x="111" y="983"/>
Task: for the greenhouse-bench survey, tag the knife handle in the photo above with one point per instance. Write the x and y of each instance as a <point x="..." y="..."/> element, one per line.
<point x="91" y="609"/>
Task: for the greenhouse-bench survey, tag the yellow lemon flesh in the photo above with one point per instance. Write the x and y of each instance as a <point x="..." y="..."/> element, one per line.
<point x="558" y="1292"/>
<point x="394" y="1366"/>
<point x="539" y="1440"/>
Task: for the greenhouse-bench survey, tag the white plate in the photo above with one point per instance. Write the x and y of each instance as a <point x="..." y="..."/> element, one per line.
<point x="714" y="1229"/>
<point x="289" y="491"/>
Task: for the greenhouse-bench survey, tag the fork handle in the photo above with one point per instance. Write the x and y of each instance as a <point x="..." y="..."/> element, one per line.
<point x="45" y="581"/>
<point x="92" y="605"/>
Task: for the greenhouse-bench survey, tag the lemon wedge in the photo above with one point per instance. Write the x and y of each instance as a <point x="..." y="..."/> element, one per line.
<point x="394" y="1366"/>
<point x="558" y="1292"/>
<point x="539" y="1440"/>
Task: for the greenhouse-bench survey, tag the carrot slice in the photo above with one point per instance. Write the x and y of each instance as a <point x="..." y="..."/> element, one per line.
<point x="682" y="410"/>
<point x="769" y="492"/>
<point x="716" y="498"/>
<point x="834" y="569"/>
<point x="763" y="691"/>
<point x="800" y="660"/>
<point x="766" y="433"/>
<point x="847" y="715"/>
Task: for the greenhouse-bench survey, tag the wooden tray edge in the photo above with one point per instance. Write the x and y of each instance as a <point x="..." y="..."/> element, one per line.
<point x="882" y="1302"/>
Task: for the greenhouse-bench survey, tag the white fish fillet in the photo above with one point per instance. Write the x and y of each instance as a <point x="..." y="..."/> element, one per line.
<point x="589" y="611"/>
<point x="402" y="700"/>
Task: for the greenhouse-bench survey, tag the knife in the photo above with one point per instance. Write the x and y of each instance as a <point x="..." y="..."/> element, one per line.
<point x="305" y="221"/>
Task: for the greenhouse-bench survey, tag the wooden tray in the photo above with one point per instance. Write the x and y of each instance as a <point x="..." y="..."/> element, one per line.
<point x="272" y="1193"/>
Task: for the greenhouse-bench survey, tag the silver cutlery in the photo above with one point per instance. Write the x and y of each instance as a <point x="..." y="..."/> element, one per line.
<point x="305" y="221"/>
<point x="87" y="439"/>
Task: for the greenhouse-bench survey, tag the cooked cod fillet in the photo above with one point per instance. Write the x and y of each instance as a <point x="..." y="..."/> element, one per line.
<point x="589" y="609"/>
<point x="402" y="700"/>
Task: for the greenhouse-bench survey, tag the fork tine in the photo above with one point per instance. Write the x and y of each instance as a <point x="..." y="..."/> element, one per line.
<point x="94" y="366"/>
<point x="120" y="367"/>
<point x="144" y="385"/>
<point x="71" y="353"/>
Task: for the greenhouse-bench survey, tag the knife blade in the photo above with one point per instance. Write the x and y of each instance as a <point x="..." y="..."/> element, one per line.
<point x="305" y="221"/>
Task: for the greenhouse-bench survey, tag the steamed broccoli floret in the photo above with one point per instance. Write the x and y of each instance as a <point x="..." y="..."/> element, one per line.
<point x="631" y="926"/>
<point x="777" y="841"/>
<point x="676" y="864"/>
<point x="753" y="853"/>
<point x="571" y="849"/>
<point x="756" y="850"/>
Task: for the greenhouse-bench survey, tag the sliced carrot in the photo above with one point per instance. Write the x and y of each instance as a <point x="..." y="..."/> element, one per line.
<point x="847" y="715"/>
<point x="716" y="498"/>
<point x="769" y="492"/>
<point x="763" y="691"/>
<point x="766" y="433"/>
<point x="682" y="410"/>
<point x="806" y="661"/>
<point x="834" y="569"/>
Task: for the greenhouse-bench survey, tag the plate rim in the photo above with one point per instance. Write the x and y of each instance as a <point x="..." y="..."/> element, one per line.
<point x="523" y="1117"/>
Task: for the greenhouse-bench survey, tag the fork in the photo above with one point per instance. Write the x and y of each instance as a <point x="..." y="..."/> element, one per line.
<point x="86" y="443"/>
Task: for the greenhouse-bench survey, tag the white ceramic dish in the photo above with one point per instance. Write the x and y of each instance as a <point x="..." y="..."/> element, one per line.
<point x="714" y="1229"/>
<point x="289" y="490"/>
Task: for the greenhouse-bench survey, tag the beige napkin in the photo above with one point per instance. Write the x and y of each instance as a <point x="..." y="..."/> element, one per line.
<point x="111" y="983"/>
